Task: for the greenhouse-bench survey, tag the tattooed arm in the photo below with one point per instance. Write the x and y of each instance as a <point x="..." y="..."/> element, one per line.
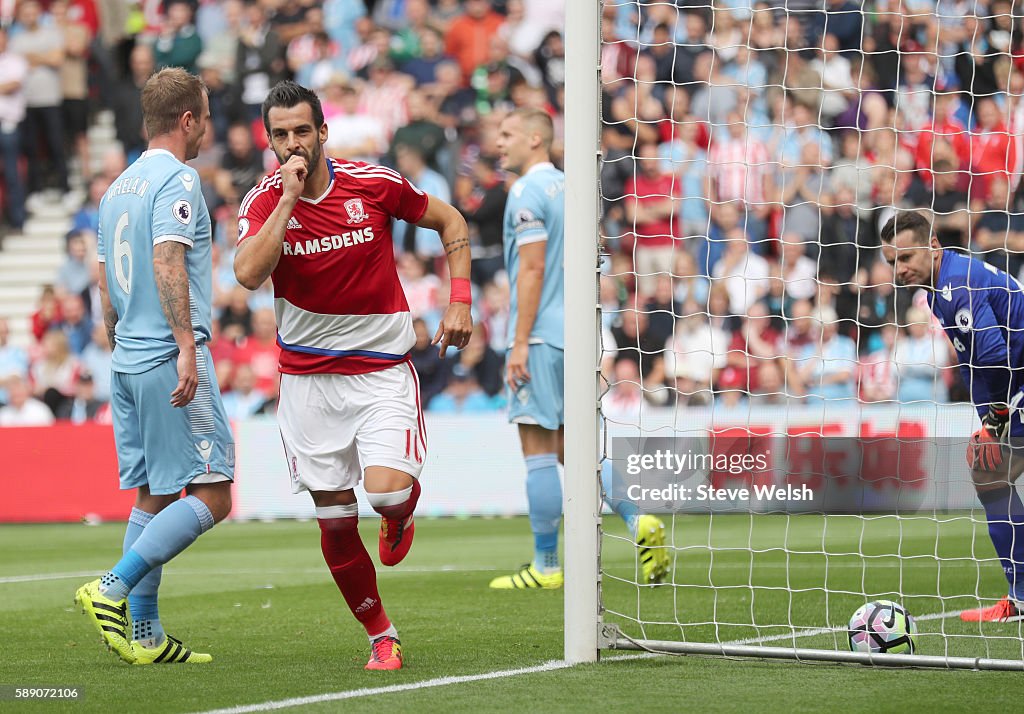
<point x="457" y="326"/>
<point x="172" y="287"/>
<point x="109" y="313"/>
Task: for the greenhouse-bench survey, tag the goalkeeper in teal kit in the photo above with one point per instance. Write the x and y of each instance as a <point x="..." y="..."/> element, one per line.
<point x="981" y="310"/>
<point x="535" y="367"/>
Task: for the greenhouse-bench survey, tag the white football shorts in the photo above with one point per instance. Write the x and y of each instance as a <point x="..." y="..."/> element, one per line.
<point x="335" y="425"/>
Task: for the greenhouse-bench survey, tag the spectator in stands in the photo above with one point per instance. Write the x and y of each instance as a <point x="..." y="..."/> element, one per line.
<point x="770" y="388"/>
<point x="481" y="198"/>
<point x="456" y="102"/>
<point x="47" y="315"/>
<point x="684" y="158"/>
<point x="878" y="372"/>
<point x="625" y="396"/>
<point x="802" y="187"/>
<point x="74" y="79"/>
<point x="998" y="234"/>
<point x="422" y="288"/>
<point x="495" y="312"/>
<point x="54" y="373"/>
<point x="76" y="325"/>
<point x="921" y="354"/>
<point x="384" y="96"/>
<point x="87" y="217"/>
<point x="423" y="68"/>
<point x="14" y="70"/>
<point x="422" y="131"/>
<point x="842" y="233"/>
<point x="178" y="44"/>
<point x="22" y="409"/>
<point x="96" y="360"/>
<point x="799" y="272"/>
<point x="42" y="45"/>
<point x="261" y="352"/>
<point x="695" y="354"/>
<point x="127" y="103"/>
<point x="73" y="276"/>
<point x="798" y="329"/>
<point x="635" y="341"/>
<point x="430" y="369"/>
<point x="260" y="63"/>
<point x="739" y="171"/>
<point x="948" y="202"/>
<point x="243" y="401"/>
<point x="408" y="32"/>
<point x="408" y="236"/>
<point x="463" y="395"/>
<point x="468" y="38"/>
<point x="851" y="174"/>
<point x="992" y="146"/>
<point x="241" y="167"/>
<point x="753" y="345"/>
<point x="743" y="272"/>
<point x="714" y="95"/>
<point x="486" y="365"/>
<point x="688" y="284"/>
<point x="235" y="319"/>
<point x="878" y="304"/>
<point x="661" y="310"/>
<point x="352" y="133"/>
<point x="651" y="206"/>
<point x="84" y="404"/>
<point x="220" y="48"/>
<point x="826" y="367"/>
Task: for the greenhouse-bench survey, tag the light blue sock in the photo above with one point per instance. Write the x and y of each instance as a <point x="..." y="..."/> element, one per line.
<point x="142" y="600"/>
<point x="616" y="499"/>
<point x="544" y="495"/>
<point x="170" y="532"/>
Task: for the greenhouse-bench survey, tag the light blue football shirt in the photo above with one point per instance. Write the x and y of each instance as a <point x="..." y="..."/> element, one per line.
<point x="535" y="211"/>
<point x="156" y="199"/>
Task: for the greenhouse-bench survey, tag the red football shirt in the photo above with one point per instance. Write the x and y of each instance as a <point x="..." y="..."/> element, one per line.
<point x="340" y="306"/>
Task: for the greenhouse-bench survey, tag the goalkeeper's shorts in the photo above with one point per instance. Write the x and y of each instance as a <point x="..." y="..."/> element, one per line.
<point x="541" y="401"/>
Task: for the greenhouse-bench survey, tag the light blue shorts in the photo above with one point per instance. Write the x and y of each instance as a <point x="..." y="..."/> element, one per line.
<point x="167" y="447"/>
<point x="541" y="401"/>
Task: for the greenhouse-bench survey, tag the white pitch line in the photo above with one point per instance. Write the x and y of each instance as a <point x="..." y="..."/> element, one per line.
<point x="39" y="577"/>
<point x="503" y="674"/>
<point x="46" y="576"/>
<point x="370" y="691"/>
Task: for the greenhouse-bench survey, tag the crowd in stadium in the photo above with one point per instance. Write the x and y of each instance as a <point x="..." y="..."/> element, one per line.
<point x="751" y="158"/>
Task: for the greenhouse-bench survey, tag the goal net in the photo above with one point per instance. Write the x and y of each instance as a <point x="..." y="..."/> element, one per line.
<point x="796" y="422"/>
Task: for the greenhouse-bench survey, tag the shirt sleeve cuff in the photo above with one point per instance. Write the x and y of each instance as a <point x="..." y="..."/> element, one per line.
<point x="175" y="238"/>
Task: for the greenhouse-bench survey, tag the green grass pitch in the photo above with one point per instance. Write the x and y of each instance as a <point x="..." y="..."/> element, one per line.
<point x="259" y="598"/>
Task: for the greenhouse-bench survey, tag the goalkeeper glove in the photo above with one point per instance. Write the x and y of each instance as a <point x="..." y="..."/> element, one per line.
<point x="985" y="450"/>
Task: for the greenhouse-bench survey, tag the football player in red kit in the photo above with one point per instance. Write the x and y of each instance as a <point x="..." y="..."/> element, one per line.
<point x="350" y="402"/>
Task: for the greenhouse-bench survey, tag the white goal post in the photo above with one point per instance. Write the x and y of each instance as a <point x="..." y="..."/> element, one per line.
<point x="748" y="580"/>
<point x="582" y="337"/>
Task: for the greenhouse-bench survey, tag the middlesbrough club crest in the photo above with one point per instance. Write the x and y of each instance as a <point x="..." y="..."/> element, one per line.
<point x="354" y="208"/>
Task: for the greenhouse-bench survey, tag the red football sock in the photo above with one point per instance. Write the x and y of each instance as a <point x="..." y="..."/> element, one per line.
<point x="353" y="571"/>
<point x="395" y="511"/>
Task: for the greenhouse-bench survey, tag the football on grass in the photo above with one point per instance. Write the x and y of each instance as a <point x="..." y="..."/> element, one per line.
<point x="882" y="626"/>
